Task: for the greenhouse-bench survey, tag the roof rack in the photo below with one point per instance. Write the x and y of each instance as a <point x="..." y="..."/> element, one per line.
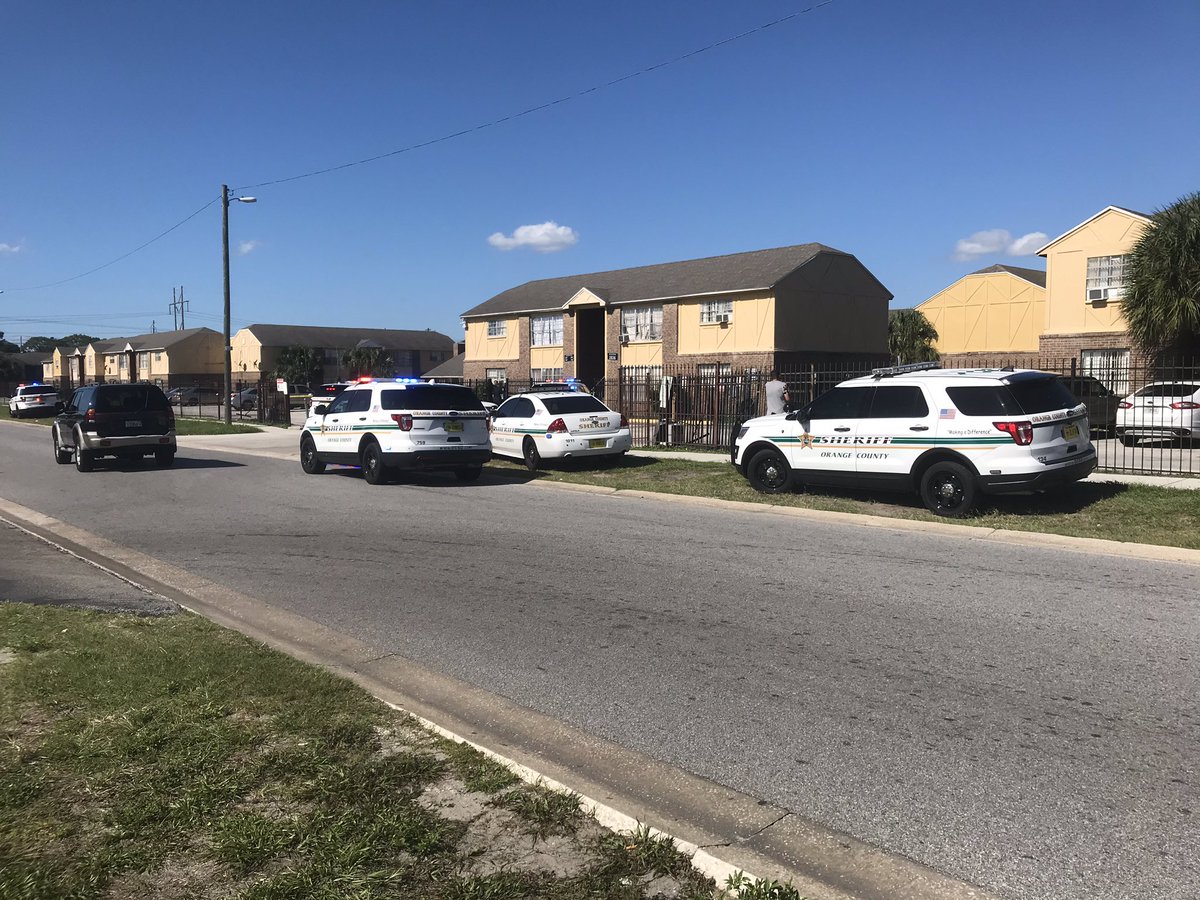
<point x="889" y="371"/>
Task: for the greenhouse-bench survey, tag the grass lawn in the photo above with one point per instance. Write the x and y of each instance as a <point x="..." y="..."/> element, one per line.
<point x="182" y="426"/>
<point x="164" y="757"/>
<point x="1117" y="512"/>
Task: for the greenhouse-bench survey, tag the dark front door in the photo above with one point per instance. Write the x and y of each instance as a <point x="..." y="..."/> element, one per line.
<point x="589" y="345"/>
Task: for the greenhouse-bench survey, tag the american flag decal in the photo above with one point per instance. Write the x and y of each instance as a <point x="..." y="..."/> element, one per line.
<point x="945" y="413"/>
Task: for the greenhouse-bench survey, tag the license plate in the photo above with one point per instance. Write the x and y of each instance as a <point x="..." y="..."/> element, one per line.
<point x="133" y="423"/>
<point x="454" y="426"/>
<point x="1070" y="432"/>
<point x="597" y="443"/>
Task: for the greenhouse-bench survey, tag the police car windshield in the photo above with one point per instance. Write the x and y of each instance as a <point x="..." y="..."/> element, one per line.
<point x="580" y="403"/>
<point x="432" y="396"/>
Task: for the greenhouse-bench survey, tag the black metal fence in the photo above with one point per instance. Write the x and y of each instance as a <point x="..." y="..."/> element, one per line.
<point x="702" y="406"/>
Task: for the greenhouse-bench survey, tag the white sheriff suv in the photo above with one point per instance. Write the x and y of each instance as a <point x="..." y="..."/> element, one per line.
<point x="386" y="424"/>
<point x="947" y="434"/>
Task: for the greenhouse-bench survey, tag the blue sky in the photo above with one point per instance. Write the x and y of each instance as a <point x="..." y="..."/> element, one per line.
<point x="893" y="131"/>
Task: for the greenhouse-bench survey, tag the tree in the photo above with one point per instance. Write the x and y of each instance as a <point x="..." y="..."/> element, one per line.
<point x="368" y="361"/>
<point x="299" y="365"/>
<point x="7" y="346"/>
<point x="41" y="344"/>
<point x="910" y="337"/>
<point x="1161" y="303"/>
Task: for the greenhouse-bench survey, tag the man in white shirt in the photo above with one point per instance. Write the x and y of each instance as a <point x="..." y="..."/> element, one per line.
<point x="777" y="394"/>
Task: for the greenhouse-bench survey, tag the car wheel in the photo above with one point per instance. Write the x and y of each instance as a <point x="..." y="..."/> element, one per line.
<point x="309" y="461"/>
<point x="1127" y="440"/>
<point x="373" y="469"/>
<point x="85" y="460"/>
<point x="529" y="452"/>
<point x="62" y="455"/>
<point x="468" y="475"/>
<point x="948" y="489"/>
<point x="769" y="472"/>
<point x="164" y="459"/>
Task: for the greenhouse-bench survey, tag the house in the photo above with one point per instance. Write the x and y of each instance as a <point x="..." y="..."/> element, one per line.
<point x="761" y="309"/>
<point x="450" y="370"/>
<point x="256" y="348"/>
<point x="995" y="310"/>
<point x="168" y="358"/>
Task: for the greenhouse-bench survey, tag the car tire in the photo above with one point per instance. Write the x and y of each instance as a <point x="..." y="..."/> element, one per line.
<point x="309" y="461"/>
<point x="466" y="476"/>
<point x="164" y="459"/>
<point x="769" y="472"/>
<point x="373" y="468"/>
<point x="62" y="455"/>
<point x="948" y="489"/>
<point x="1127" y="440"/>
<point x="85" y="460"/>
<point x="529" y="453"/>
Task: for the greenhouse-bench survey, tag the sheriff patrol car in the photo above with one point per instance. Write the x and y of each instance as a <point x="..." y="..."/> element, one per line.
<point x="33" y="400"/>
<point x="386" y="424"/>
<point x="558" y="424"/>
<point x="947" y="434"/>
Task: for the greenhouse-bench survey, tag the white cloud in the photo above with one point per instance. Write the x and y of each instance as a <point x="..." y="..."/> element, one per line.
<point x="549" y="237"/>
<point x="248" y="247"/>
<point x="996" y="241"/>
<point x="6" y="249"/>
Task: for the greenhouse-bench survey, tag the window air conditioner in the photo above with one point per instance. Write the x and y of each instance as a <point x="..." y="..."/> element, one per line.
<point x="723" y="319"/>
<point x="1103" y="295"/>
<point x="624" y="337"/>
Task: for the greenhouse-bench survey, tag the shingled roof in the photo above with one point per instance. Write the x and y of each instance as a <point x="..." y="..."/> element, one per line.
<point x="1034" y="276"/>
<point x="345" y="338"/>
<point x="756" y="270"/>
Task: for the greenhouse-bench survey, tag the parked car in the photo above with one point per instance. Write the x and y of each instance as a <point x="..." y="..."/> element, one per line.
<point x="558" y="424"/>
<point x="386" y="424"/>
<point x="129" y="421"/>
<point x="324" y="393"/>
<point x="1100" y="401"/>
<point x="194" y="396"/>
<point x="947" y="435"/>
<point x="247" y="398"/>
<point x="1162" y="409"/>
<point x="33" y="400"/>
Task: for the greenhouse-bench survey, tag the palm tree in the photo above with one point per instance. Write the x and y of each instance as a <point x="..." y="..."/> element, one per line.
<point x="298" y="365"/>
<point x="1161" y="304"/>
<point x="910" y="336"/>
<point x="368" y="360"/>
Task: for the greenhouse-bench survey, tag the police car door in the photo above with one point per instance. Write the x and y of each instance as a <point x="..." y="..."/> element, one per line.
<point x="336" y="431"/>
<point x="897" y="426"/>
<point x="507" y="423"/>
<point x="824" y="448"/>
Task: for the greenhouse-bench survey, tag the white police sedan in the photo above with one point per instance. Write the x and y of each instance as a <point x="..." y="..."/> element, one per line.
<point x="557" y="425"/>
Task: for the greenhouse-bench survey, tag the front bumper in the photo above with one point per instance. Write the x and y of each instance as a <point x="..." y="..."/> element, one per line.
<point x="1057" y="476"/>
<point x="439" y="458"/>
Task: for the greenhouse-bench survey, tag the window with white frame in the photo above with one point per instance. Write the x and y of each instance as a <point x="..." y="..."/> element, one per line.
<point x="496" y="374"/>
<point x="713" y="312"/>
<point x="1105" y="278"/>
<point x="124" y="362"/>
<point x="497" y="327"/>
<point x="157" y="357"/>
<point x="143" y="362"/>
<point x="712" y="370"/>
<point x="545" y="331"/>
<point x="546" y="374"/>
<point x="641" y="323"/>
<point x="1109" y="366"/>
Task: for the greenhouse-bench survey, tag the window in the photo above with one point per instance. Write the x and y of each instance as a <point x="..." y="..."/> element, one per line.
<point x="545" y="374"/>
<point x="582" y="403"/>
<point x="545" y="331"/>
<point x="642" y="323"/>
<point x="839" y="403"/>
<point x="330" y="356"/>
<point x="143" y="362"/>
<point x="712" y="370"/>
<point x="497" y="327"/>
<point x="432" y="396"/>
<point x="1105" y="278"/>
<point x="341" y="403"/>
<point x="898" y="402"/>
<point x="1109" y="366"/>
<point x="435" y="357"/>
<point x="158" y="357"/>
<point x="714" y="311"/>
<point x="515" y="408"/>
<point x="1020" y="397"/>
<point x="496" y="374"/>
<point x="124" y="364"/>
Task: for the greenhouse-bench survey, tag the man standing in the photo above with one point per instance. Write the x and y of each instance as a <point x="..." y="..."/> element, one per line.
<point x="777" y="394"/>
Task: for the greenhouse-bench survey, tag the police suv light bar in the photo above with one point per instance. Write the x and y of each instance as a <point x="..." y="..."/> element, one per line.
<point x="888" y="371"/>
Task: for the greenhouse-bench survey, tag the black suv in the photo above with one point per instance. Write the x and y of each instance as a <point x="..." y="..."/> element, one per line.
<point x="123" y="420"/>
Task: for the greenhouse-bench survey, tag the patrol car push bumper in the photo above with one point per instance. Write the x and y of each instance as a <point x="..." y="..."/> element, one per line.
<point x="439" y="458"/>
<point x="1060" y="474"/>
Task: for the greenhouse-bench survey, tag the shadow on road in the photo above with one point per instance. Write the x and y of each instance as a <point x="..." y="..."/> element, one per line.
<point x="109" y="464"/>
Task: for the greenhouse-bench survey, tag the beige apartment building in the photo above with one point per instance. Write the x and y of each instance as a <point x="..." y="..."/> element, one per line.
<point x="167" y="358"/>
<point x="760" y="309"/>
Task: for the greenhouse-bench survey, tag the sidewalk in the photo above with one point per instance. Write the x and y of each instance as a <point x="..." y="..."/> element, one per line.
<point x="284" y="443"/>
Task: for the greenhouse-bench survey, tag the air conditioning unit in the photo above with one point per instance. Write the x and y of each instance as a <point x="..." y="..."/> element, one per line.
<point x="1103" y="295"/>
<point x="723" y="319"/>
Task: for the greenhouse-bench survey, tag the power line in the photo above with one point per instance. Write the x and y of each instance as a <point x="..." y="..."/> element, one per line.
<point x="547" y="105"/>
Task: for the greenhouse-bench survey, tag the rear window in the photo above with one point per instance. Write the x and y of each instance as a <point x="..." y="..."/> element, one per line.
<point x="35" y="391"/>
<point x="432" y="396"/>
<point x="1025" y="397"/>
<point x="130" y="398"/>
<point x="584" y="403"/>
<point x="1176" y="389"/>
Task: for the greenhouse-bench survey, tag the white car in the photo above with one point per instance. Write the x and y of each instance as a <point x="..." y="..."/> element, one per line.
<point x="946" y="434"/>
<point x="33" y="400"/>
<point x="1162" y="409"/>
<point x="556" y="425"/>
<point x="387" y="424"/>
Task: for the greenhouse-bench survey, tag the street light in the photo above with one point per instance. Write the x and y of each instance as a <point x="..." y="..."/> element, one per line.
<point x="225" y="198"/>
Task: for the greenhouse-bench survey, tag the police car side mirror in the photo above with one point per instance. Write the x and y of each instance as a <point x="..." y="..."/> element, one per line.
<point x="320" y="409"/>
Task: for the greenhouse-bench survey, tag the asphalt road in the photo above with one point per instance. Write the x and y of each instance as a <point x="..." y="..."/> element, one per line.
<point x="1020" y="717"/>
